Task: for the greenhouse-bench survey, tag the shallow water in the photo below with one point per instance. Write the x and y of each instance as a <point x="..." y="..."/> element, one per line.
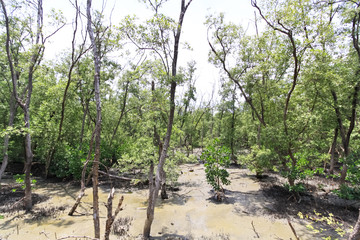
<point x="188" y="213"/>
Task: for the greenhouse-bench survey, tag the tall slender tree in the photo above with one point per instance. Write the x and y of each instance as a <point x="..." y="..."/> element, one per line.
<point x="171" y="69"/>
<point x="36" y="53"/>
<point x="95" y="171"/>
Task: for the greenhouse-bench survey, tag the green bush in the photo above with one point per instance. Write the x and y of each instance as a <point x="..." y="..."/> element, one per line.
<point x="68" y="162"/>
<point x="346" y="192"/>
<point x="353" y="163"/>
<point x="20" y="179"/>
<point x="179" y="157"/>
<point x="258" y="160"/>
<point x="301" y="170"/>
<point x="217" y="158"/>
<point x="297" y="188"/>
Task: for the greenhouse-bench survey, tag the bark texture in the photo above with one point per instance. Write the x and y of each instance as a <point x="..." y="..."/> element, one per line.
<point x="110" y="217"/>
<point x="95" y="171"/>
<point x="160" y="176"/>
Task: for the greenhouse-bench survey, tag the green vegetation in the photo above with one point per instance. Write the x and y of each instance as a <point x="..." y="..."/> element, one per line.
<point x="217" y="158"/>
<point x="20" y="179"/>
<point x="288" y="99"/>
<point x="346" y="192"/>
<point x="259" y="160"/>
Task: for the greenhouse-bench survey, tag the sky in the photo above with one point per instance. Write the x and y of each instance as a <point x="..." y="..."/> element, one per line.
<point x="194" y="32"/>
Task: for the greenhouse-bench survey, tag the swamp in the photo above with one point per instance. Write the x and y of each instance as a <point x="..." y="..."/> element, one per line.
<point x="179" y="119"/>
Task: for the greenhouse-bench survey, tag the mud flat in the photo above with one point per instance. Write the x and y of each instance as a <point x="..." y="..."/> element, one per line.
<point x="189" y="213"/>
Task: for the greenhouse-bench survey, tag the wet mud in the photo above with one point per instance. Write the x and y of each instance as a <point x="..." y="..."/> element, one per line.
<point x="249" y="211"/>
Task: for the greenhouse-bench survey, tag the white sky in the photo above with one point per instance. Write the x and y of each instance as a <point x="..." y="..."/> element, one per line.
<point x="194" y="31"/>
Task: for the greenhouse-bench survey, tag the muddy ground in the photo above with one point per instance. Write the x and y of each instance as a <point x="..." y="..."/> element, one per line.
<point x="253" y="209"/>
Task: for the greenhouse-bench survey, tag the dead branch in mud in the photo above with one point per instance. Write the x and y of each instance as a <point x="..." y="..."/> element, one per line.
<point x="116" y="177"/>
<point x="292" y="229"/>
<point x="17" y="202"/>
<point x="110" y="218"/>
<point x="43" y="232"/>
<point x="76" y="237"/>
<point x="252" y="224"/>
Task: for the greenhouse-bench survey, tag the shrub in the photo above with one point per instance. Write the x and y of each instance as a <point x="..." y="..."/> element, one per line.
<point x="217" y="158"/>
<point x="258" y="160"/>
<point x="20" y="179"/>
<point x="68" y="162"/>
<point x="353" y="163"/>
<point x="301" y="170"/>
<point x="346" y="192"/>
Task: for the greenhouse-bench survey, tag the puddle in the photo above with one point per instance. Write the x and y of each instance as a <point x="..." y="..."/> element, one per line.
<point x="188" y="213"/>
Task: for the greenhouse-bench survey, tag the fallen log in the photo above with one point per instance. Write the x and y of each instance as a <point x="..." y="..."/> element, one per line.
<point x="116" y="177"/>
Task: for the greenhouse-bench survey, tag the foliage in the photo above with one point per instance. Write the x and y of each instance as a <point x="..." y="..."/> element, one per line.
<point x="301" y="170"/>
<point x="259" y="159"/>
<point x="346" y="192"/>
<point x="297" y="188"/>
<point x="353" y="163"/>
<point x="137" y="155"/>
<point x="20" y="179"/>
<point x="216" y="159"/>
<point x="172" y="171"/>
<point x="69" y="162"/>
<point x="179" y="157"/>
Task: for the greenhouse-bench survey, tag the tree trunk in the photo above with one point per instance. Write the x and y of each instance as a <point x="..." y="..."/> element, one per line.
<point x="159" y="179"/>
<point x="83" y="124"/>
<point x="164" y="194"/>
<point x="355" y="235"/>
<point x="343" y="173"/>
<point x="26" y="107"/>
<point x="122" y="112"/>
<point x="151" y="205"/>
<point x="110" y="217"/>
<point x="95" y="171"/>
<point x="83" y="175"/>
<point x="28" y="163"/>
<point x="38" y="43"/>
<point x="232" y="134"/>
<point x="332" y="151"/>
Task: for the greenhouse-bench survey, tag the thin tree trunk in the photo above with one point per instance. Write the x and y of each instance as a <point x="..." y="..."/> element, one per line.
<point x="95" y="171"/>
<point x="233" y="117"/>
<point x="83" y="124"/>
<point x="159" y="179"/>
<point x="28" y="163"/>
<point x="74" y="60"/>
<point x="25" y="104"/>
<point x="122" y="112"/>
<point x="35" y="58"/>
<point x="332" y="151"/>
<point x="83" y="175"/>
<point x="110" y="217"/>
<point x="354" y="103"/>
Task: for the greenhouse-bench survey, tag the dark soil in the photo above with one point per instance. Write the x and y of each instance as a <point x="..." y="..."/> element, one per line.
<point x="11" y="199"/>
<point x="279" y="201"/>
<point x="315" y="202"/>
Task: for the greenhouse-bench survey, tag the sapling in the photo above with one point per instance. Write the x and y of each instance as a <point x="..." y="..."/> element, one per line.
<point x="217" y="158"/>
